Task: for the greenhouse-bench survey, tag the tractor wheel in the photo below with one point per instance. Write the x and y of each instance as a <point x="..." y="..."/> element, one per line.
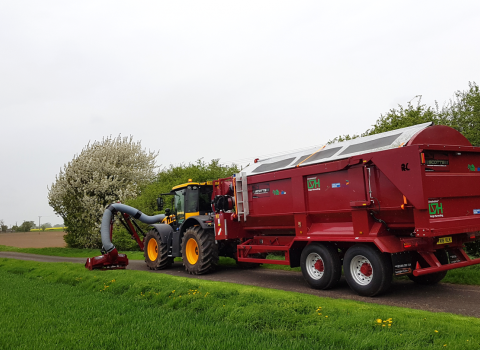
<point x="156" y="252"/>
<point x="432" y="278"/>
<point x="321" y="265"/>
<point x="367" y="270"/>
<point x="199" y="251"/>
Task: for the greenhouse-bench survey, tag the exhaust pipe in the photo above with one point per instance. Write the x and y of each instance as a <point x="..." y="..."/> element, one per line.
<point x="113" y="260"/>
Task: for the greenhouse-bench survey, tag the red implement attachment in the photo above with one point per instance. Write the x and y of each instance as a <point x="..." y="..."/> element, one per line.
<point x="109" y="261"/>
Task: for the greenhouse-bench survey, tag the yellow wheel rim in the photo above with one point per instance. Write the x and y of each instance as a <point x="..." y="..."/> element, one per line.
<point x="152" y="249"/>
<point x="192" y="251"/>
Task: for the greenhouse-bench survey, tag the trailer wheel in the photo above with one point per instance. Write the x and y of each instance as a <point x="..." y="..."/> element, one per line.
<point x="432" y="278"/>
<point x="367" y="270"/>
<point x="199" y="251"/>
<point x="321" y="265"/>
<point x="156" y="252"/>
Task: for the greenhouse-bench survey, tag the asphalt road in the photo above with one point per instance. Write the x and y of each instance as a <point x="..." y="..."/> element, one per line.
<point x="443" y="297"/>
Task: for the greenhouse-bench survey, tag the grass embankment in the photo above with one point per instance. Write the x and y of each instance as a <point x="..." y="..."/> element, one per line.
<point x="467" y="275"/>
<point x="61" y="305"/>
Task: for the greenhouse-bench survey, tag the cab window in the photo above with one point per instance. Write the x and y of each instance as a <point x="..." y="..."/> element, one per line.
<point x="205" y="199"/>
<point x="191" y="199"/>
<point x="180" y="205"/>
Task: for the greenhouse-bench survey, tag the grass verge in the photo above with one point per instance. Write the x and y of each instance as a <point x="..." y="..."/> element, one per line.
<point x="61" y="305"/>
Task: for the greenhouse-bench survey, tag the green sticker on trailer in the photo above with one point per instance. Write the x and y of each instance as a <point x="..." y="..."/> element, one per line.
<point x="313" y="184"/>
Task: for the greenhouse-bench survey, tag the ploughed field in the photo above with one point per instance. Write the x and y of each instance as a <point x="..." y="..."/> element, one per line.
<point x="47" y="239"/>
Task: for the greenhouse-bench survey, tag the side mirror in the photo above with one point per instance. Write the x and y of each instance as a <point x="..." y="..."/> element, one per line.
<point x="160" y="203"/>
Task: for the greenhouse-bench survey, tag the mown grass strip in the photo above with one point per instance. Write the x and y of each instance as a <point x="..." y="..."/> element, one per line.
<point x="62" y="305"/>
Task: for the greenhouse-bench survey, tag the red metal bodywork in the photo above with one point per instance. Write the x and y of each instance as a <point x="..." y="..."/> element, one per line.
<point x="400" y="200"/>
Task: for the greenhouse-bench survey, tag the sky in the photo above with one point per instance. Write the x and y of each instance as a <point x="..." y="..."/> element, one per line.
<point x="222" y="80"/>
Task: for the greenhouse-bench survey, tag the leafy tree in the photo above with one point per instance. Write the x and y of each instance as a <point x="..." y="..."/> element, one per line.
<point x="167" y="178"/>
<point x="26" y="226"/>
<point x="104" y="172"/>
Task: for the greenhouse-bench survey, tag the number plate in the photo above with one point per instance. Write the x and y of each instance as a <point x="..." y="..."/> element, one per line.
<point x="444" y="240"/>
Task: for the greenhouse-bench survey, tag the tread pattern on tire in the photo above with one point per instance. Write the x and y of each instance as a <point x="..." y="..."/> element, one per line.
<point x="163" y="261"/>
<point x="208" y="250"/>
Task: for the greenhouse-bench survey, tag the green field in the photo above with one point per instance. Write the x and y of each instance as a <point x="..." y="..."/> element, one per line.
<point x="62" y="305"/>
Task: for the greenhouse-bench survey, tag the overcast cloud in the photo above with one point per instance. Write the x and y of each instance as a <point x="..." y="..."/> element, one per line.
<point x="212" y="79"/>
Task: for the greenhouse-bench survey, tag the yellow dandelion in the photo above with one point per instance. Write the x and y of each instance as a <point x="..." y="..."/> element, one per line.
<point x="436" y="331"/>
<point x="383" y="325"/>
<point x="379" y="320"/>
<point x="389" y="325"/>
<point x="326" y="316"/>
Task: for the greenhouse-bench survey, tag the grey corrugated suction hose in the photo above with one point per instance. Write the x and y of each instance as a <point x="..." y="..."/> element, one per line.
<point x="107" y="216"/>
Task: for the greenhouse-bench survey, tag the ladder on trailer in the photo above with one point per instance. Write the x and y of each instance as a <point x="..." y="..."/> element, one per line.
<point x="241" y="195"/>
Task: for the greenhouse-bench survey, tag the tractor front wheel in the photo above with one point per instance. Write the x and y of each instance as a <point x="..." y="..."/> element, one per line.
<point x="156" y="252"/>
<point x="199" y="251"/>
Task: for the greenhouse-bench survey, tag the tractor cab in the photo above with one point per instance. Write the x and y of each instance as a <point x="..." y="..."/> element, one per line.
<point x="189" y="199"/>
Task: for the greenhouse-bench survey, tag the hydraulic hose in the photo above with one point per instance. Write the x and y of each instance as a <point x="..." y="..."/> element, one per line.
<point x="135" y="213"/>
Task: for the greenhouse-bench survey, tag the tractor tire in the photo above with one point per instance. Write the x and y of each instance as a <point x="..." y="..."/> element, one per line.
<point x="156" y="252"/>
<point x="199" y="251"/>
<point x="367" y="270"/>
<point x="432" y="278"/>
<point x="321" y="266"/>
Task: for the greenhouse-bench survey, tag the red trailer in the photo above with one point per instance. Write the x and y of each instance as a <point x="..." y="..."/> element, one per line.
<point x="397" y="203"/>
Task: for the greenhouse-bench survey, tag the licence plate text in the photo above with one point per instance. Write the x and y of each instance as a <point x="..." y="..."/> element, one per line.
<point x="444" y="240"/>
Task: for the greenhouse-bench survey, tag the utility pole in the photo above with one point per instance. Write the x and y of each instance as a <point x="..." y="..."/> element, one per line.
<point x="39" y="222"/>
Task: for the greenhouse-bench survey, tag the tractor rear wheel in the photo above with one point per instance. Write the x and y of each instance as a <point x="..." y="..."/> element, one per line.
<point x="321" y="265"/>
<point x="367" y="270"/>
<point x="156" y="252"/>
<point x="199" y="251"/>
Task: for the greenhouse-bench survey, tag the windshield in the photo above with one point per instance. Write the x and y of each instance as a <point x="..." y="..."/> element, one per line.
<point x="180" y="205"/>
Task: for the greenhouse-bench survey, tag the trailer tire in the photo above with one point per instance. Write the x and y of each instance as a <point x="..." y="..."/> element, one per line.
<point x="433" y="278"/>
<point x="367" y="270"/>
<point x="321" y="266"/>
<point x="156" y="252"/>
<point x="199" y="251"/>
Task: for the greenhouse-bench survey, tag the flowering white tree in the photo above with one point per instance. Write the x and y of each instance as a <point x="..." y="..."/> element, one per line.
<point x="104" y="172"/>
